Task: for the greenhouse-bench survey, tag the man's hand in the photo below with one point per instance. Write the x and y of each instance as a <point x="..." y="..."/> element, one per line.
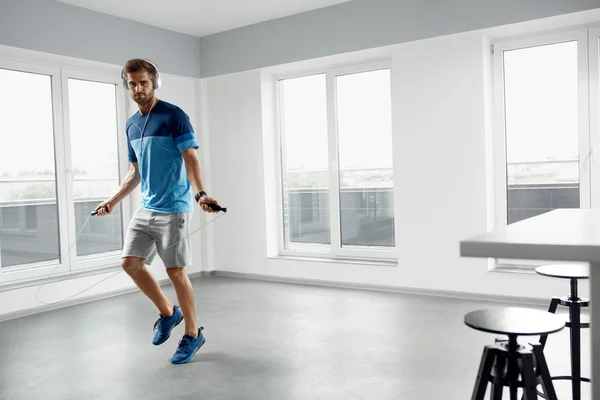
<point x="101" y="209"/>
<point x="204" y="201"/>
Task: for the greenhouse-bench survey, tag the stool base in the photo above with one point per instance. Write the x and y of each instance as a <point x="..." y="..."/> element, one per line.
<point x="508" y="364"/>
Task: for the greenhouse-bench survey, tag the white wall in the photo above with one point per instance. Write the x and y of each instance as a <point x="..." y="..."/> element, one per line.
<point x="234" y="126"/>
<point x="440" y="96"/>
<point x="182" y="92"/>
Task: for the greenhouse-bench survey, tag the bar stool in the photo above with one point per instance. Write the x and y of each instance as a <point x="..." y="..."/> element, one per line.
<point x="575" y="321"/>
<point x="503" y="362"/>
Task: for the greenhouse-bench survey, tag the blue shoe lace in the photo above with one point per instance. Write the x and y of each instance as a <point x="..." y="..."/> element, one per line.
<point x="158" y="324"/>
<point x="184" y="343"/>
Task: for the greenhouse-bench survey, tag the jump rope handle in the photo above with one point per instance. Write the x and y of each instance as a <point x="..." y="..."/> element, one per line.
<point x="213" y="206"/>
<point x="96" y="212"/>
<point x="217" y="208"/>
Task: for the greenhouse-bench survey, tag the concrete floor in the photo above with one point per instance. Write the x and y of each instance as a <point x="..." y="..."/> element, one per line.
<point x="264" y="341"/>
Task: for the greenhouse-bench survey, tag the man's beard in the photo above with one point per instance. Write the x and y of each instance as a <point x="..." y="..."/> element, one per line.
<point x="142" y="99"/>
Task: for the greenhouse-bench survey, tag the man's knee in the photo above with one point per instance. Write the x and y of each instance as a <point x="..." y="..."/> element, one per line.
<point x="176" y="273"/>
<point x="132" y="265"/>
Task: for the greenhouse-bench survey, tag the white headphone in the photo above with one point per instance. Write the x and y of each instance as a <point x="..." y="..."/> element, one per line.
<point x="156" y="81"/>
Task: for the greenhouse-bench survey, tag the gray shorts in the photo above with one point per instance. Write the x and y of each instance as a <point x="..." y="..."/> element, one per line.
<point x="151" y="233"/>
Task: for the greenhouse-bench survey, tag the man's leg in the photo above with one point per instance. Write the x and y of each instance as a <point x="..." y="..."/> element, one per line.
<point x="185" y="297"/>
<point x="139" y="248"/>
<point x="174" y="247"/>
<point x="170" y="316"/>
<point x="193" y="338"/>
<point x="172" y="235"/>
<point x="147" y="283"/>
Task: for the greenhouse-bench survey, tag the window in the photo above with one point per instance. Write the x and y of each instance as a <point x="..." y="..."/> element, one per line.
<point x="544" y="132"/>
<point x="305" y="160"/>
<point x="364" y="130"/>
<point x="594" y="108"/>
<point x="541" y="129"/>
<point x="60" y="156"/>
<point x="27" y="165"/>
<point x="93" y="126"/>
<point x="336" y="163"/>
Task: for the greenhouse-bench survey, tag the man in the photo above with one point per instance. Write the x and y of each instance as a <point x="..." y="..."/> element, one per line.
<point x="162" y="156"/>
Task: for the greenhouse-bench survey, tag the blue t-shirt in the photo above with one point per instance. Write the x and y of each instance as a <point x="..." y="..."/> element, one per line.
<point x="168" y="132"/>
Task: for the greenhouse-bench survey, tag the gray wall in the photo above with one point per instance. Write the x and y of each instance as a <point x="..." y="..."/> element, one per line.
<point x="363" y="24"/>
<point x="58" y="28"/>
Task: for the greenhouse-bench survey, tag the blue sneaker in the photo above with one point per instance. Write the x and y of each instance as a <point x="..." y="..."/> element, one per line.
<point x="164" y="325"/>
<point x="188" y="346"/>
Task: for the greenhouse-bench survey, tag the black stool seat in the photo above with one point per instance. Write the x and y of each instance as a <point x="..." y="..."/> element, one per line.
<point x="514" y="321"/>
<point x="507" y="363"/>
<point x="566" y="271"/>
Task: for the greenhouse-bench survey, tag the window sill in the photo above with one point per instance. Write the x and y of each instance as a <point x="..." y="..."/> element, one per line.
<point x="19" y="284"/>
<point x="338" y="260"/>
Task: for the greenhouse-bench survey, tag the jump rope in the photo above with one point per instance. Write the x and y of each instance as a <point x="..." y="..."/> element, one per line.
<point x="214" y="207"/>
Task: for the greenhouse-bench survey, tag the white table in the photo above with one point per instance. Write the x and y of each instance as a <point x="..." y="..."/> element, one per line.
<point x="559" y="235"/>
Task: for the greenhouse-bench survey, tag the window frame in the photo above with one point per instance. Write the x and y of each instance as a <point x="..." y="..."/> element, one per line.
<point x="113" y="257"/>
<point x="335" y="250"/>
<point x="34" y="270"/>
<point x="59" y="72"/>
<point x="594" y="104"/>
<point x="585" y="130"/>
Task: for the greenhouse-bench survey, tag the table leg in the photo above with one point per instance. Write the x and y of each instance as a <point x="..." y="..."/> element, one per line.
<point x="595" y="333"/>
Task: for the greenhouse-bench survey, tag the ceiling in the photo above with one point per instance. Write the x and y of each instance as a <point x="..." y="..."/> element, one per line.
<point x="201" y="17"/>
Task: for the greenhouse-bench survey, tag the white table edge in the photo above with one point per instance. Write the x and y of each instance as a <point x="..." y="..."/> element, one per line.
<point x="529" y="251"/>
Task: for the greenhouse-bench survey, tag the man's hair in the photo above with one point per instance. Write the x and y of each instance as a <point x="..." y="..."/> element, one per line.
<point x="136" y="65"/>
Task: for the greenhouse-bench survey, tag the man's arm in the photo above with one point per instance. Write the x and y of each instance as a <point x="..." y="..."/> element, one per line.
<point x="131" y="181"/>
<point x="192" y="166"/>
<point x="185" y="140"/>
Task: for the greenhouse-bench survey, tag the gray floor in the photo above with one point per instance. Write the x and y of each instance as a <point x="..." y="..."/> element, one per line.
<point x="264" y="341"/>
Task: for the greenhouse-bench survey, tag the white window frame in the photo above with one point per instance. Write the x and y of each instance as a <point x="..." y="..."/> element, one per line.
<point x="112" y="257"/>
<point x="335" y="250"/>
<point x="594" y="108"/>
<point x="59" y="72"/>
<point x="499" y="136"/>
